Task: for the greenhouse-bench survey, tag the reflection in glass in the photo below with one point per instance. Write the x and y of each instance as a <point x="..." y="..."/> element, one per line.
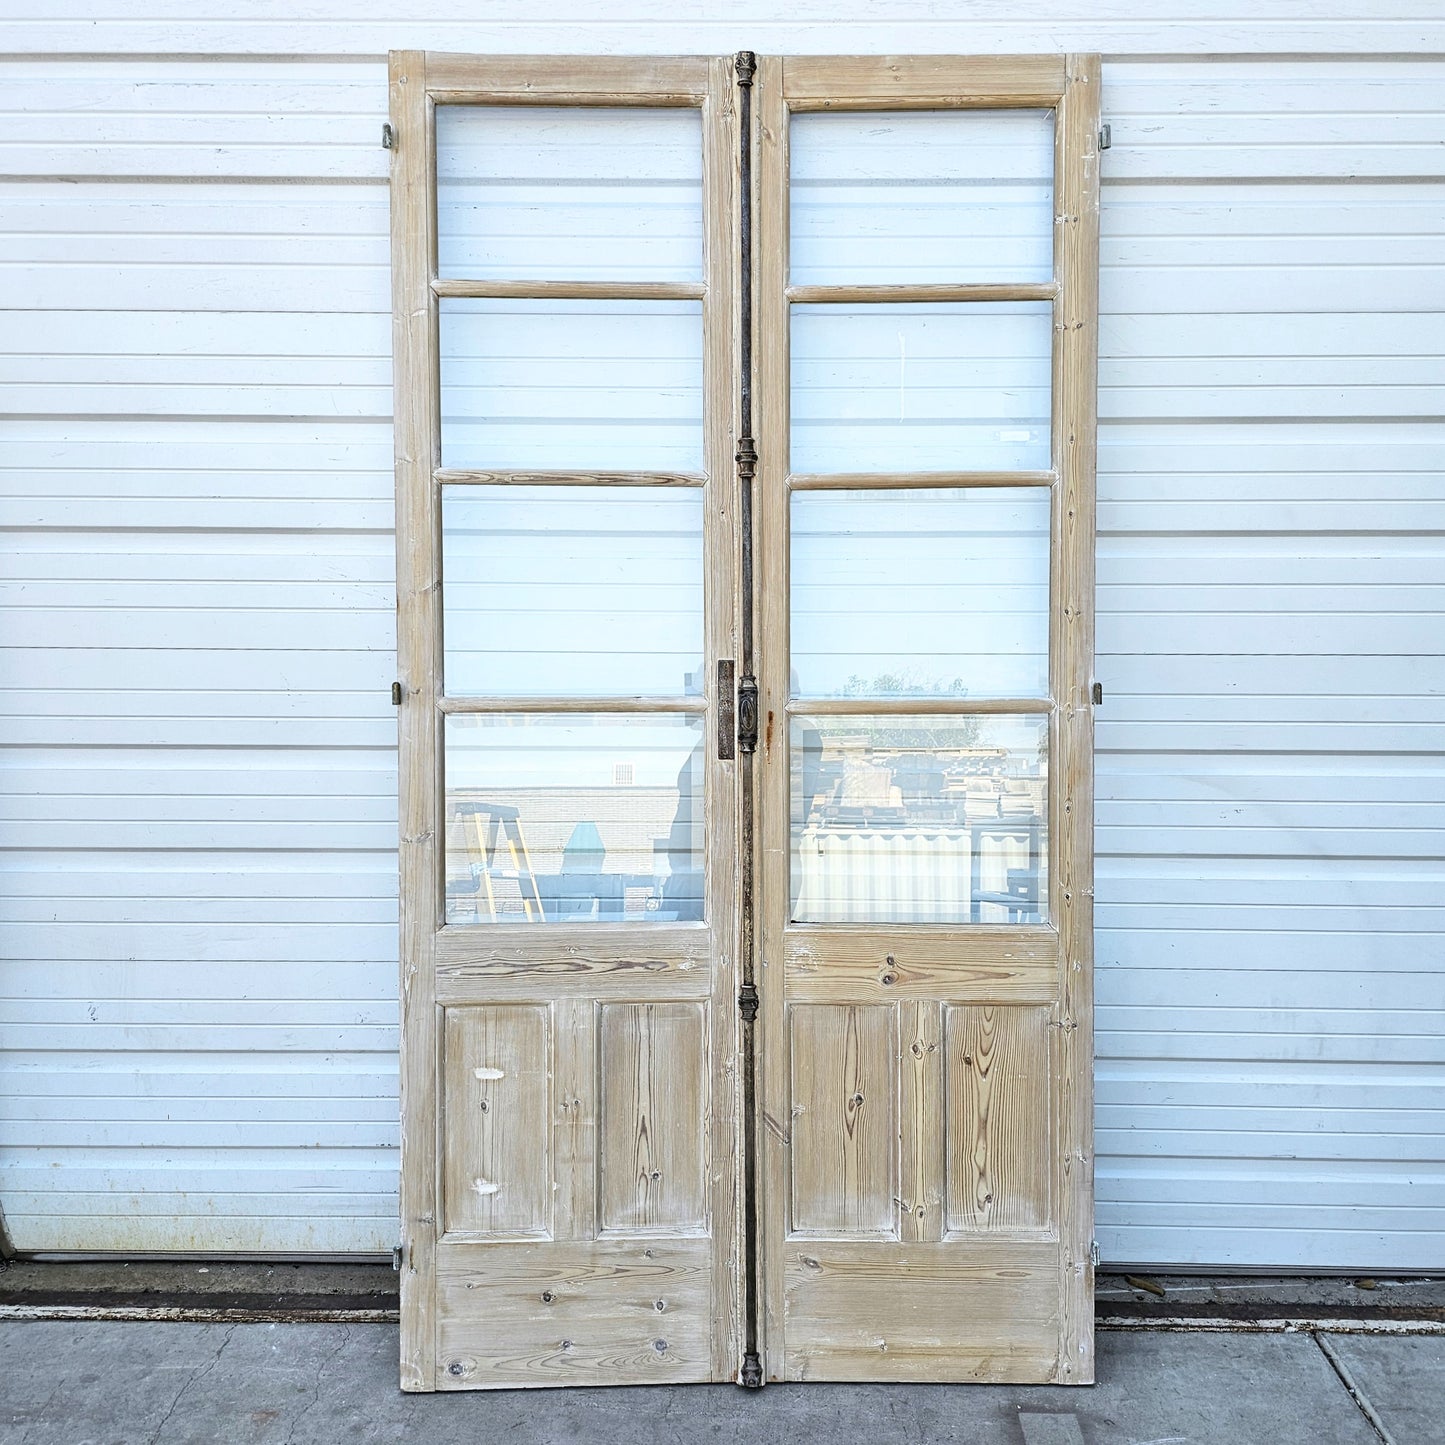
<point x="572" y="591"/>
<point x="551" y="193"/>
<point x="917" y="196"/>
<point x="547" y="385"/>
<point x="921" y="387"/>
<point x="588" y="818"/>
<point x="919" y="819"/>
<point x="921" y="593"/>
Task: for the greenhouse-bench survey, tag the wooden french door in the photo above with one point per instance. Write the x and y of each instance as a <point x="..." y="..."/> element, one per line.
<point x="563" y="275"/>
<point x="744" y="820"/>
<point x="927" y="304"/>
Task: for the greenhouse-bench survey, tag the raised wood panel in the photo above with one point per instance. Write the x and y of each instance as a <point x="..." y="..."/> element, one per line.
<point x="957" y="1311"/>
<point x="496" y="1159"/>
<point x="844" y="1133"/>
<point x="608" y="1312"/>
<point x="922" y="1121"/>
<point x="574" y="1118"/>
<point x="999" y="1146"/>
<point x="654" y="1117"/>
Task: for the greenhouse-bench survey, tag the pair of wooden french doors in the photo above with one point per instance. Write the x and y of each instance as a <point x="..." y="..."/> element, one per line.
<point x="745" y="453"/>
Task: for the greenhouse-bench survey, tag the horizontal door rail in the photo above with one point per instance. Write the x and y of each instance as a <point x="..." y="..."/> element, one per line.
<point x="465" y="477"/>
<point x="910" y="706"/>
<point x="564" y="79"/>
<point x="570" y="290"/>
<point x="935" y="82"/>
<point x="923" y="291"/>
<point x="868" y="481"/>
<point x="463" y="705"/>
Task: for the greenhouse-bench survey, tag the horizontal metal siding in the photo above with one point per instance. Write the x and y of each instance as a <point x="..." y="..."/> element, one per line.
<point x="1271" y="978"/>
<point x="707" y="27"/>
<point x="199" y="883"/>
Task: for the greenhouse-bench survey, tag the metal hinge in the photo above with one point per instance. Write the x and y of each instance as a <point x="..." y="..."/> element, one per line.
<point x="1094" y="1253"/>
<point x="388" y="138"/>
<point x="748" y="1002"/>
<point x="396" y="694"/>
<point x="1106" y="137"/>
<point x="1098" y="694"/>
<point x="398" y="1254"/>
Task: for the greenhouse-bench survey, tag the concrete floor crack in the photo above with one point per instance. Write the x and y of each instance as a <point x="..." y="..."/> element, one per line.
<point x="1355" y="1393"/>
<point x="196" y="1375"/>
<point x="321" y="1368"/>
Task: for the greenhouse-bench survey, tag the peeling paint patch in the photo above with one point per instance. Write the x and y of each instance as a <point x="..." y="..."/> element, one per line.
<point x="486" y="1073"/>
<point x="484" y="1187"/>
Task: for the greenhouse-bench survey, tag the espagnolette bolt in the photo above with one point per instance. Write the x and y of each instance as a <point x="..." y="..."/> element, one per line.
<point x="388" y="137"/>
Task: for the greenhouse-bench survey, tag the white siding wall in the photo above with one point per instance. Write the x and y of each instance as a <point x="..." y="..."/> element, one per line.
<point x="198" y="769"/>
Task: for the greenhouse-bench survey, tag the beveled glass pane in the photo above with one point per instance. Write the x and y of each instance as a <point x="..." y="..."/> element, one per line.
<point x="569" y="193"/>
<point x="921" y="593"/>
<point x="572" y="591"/>
<point x="595" y="385"/>
<point x="921" y="387"/>
<point x="919" y="819"/>
<point x="912" y="196"/>
<point x="585" y="818"/>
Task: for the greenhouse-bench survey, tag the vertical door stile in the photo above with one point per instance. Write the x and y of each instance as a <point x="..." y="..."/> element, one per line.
<point x="1075" y="364"/>
<point x="771" y="408"/>
<point x="720" y="172"/>
<point x="744" y="68"/>
<point x="417" y="430"/>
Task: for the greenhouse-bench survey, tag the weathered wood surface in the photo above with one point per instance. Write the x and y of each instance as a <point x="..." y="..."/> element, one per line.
<point x="931" y="82"/>
<point x="999" y="1144"/>
<point x="965" y="1310"/>
<point x="418" y="431"/>
<point x="587" y="1081"/>
<point x="497" y="1063"/>
<point x="1071" y="880"/>
<point x="653" y="1152"/>
<point x="934" y="1237"/>
<point x="631" y="1312"/>
<point x="844" y="1129"/>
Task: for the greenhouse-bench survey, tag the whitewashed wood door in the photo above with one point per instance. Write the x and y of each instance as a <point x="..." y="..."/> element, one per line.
<point x="926" y="437"/>
<point x="563" y="270"/>
<point x="568" y="294"/>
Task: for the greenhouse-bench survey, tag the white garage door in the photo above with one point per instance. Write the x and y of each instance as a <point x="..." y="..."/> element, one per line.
<point x="198" y="768"/>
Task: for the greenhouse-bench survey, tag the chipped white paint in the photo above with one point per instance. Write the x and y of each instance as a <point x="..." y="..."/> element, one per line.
<point x="485" y="1072"/>
<point x="484" y="1187"/>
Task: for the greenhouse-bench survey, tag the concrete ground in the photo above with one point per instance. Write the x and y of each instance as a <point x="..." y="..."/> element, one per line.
<point x="152" y="1382"/>
<point x="164" y="1352"/>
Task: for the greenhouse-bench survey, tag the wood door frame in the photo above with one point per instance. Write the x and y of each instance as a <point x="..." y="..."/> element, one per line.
<point x="1049" y="964"/>
<point x="437" y="960"/>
